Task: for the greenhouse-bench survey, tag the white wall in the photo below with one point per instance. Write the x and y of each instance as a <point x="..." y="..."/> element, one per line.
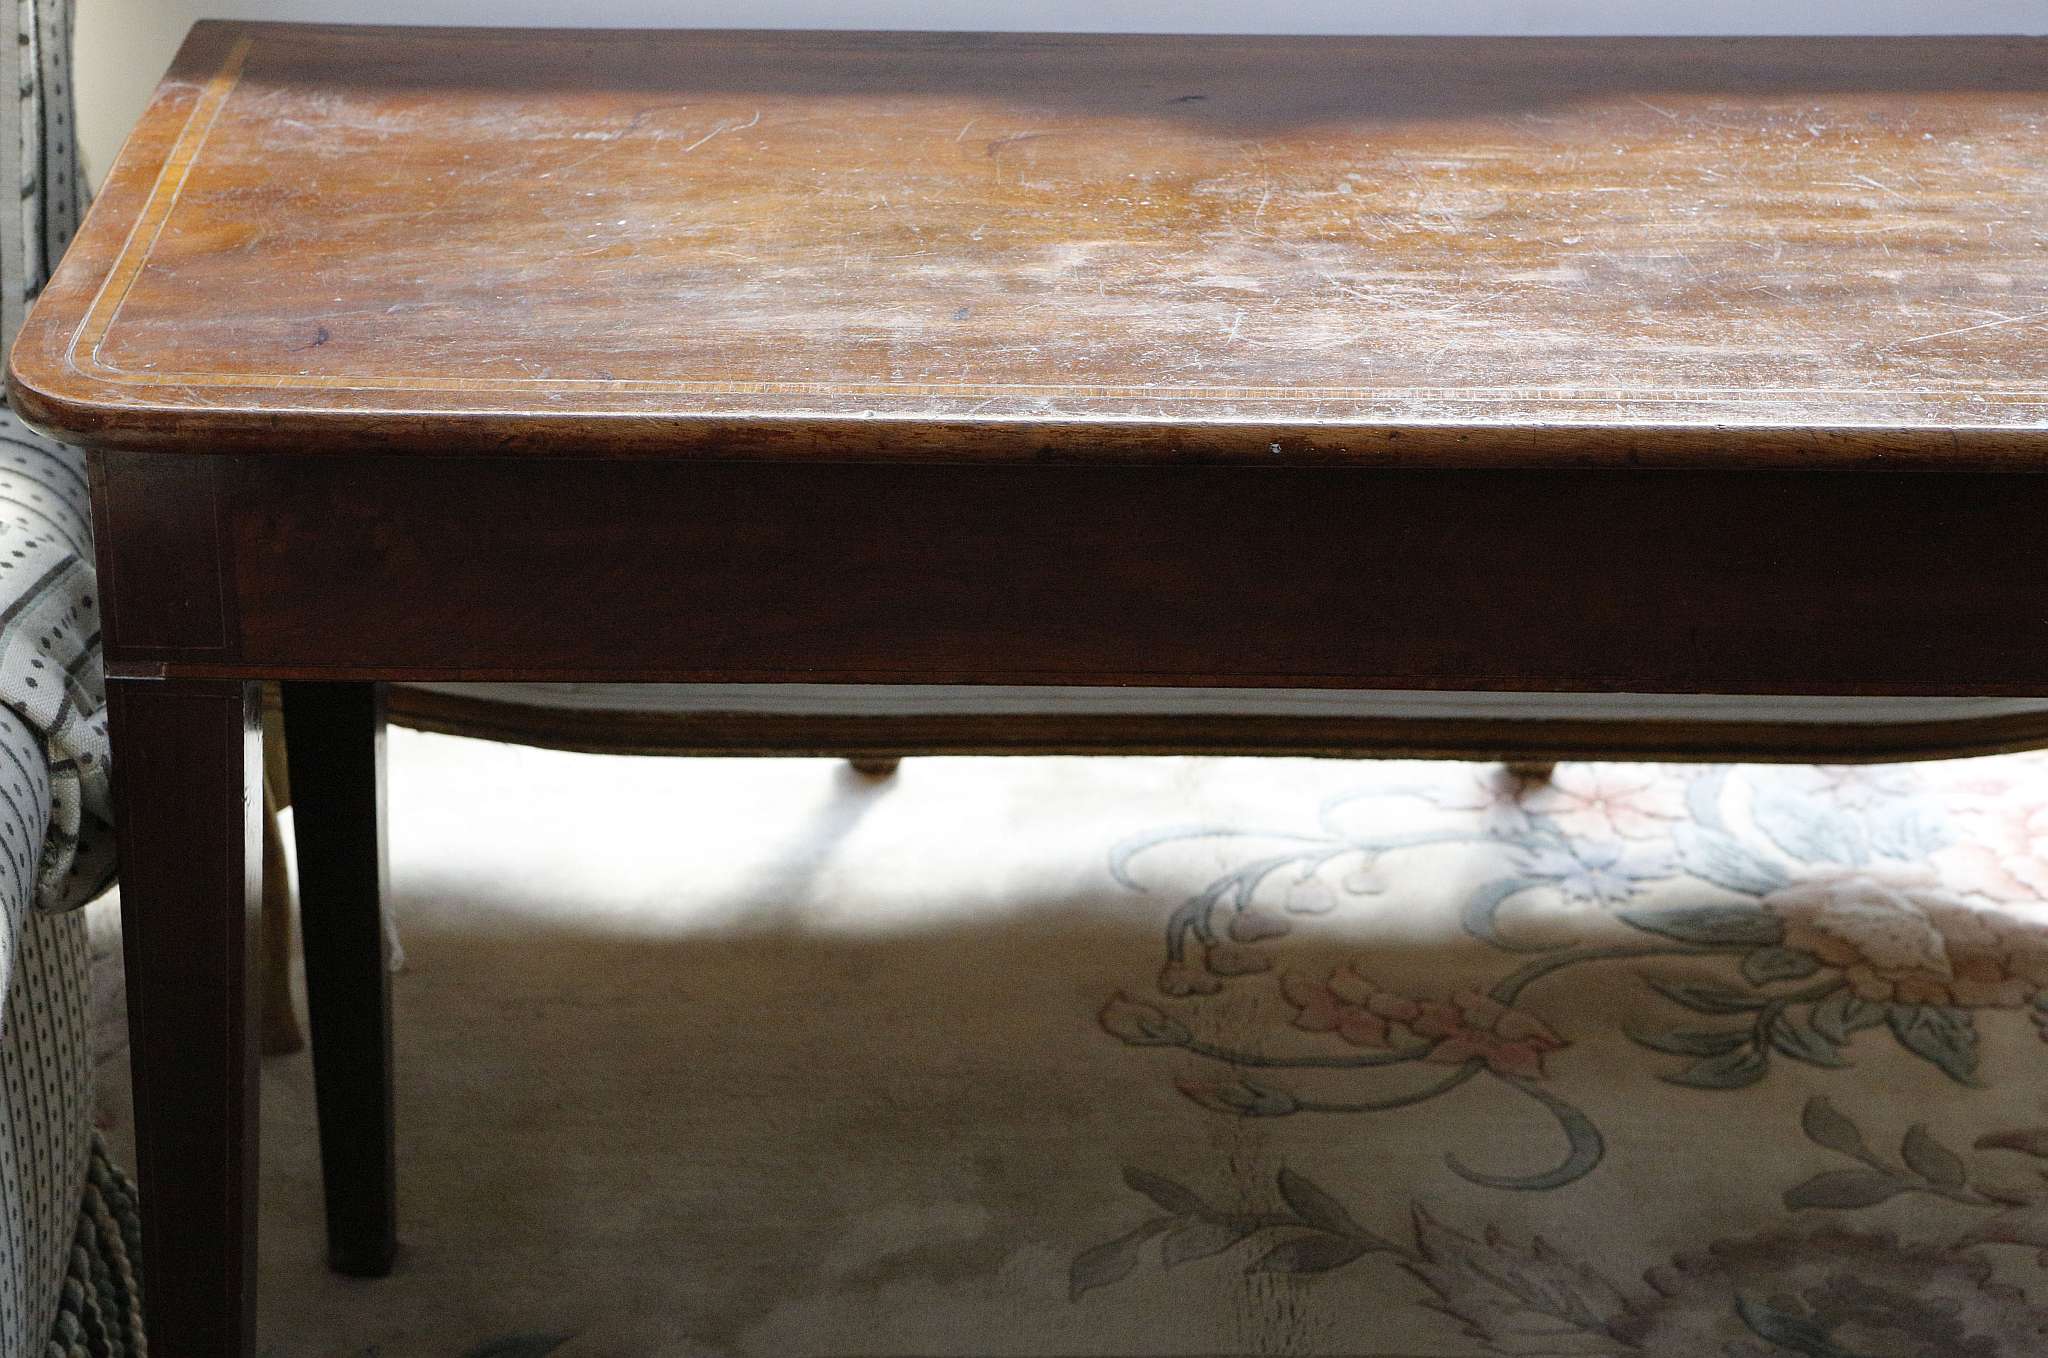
<point x="123" y="45"/>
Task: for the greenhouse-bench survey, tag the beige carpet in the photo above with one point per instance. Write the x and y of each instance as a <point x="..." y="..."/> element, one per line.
<point x="1062" y="1057"/>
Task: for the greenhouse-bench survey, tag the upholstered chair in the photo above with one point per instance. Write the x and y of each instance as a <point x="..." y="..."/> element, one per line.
<point x="67" y="1218"/>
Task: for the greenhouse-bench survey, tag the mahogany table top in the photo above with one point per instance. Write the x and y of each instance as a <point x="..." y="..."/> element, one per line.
<point x="1471" y="252"/>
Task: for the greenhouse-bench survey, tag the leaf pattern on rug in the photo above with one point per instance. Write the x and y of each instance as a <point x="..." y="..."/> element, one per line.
<point x="1826" y="1291"/>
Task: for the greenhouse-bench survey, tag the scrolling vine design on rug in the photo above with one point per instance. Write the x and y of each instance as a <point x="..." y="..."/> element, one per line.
<point x="1802" y="917"/>
<point x="1830" y="1292"/>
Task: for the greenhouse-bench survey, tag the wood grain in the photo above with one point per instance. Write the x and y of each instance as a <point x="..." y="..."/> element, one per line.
<point x="913" y="246"/>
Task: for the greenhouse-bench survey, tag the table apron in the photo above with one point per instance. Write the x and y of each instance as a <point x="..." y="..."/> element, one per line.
<point x="526" y="568"/>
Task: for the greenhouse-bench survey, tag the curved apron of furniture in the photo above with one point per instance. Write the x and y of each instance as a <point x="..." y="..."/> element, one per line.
<point x="883" y="722"/>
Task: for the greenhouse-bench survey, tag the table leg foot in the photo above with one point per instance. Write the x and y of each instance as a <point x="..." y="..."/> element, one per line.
<point x="874" y="768"/>
<point x="334" y="740"/>
<point x="189" y="822"/>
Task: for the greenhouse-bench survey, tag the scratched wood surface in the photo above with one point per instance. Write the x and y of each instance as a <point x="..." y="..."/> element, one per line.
<point x="1474" y="252"/>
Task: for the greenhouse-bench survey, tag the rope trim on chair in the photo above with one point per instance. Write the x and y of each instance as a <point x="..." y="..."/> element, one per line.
<point x="100" y="1314"/>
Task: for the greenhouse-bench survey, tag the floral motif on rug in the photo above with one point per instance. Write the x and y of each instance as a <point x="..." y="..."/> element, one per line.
<point x="1760" y="924"/>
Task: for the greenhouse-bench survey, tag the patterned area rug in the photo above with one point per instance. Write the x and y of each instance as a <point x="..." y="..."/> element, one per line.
<point x="1161" y="1056"/>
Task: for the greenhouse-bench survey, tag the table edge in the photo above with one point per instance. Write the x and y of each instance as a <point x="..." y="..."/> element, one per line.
<point x="49" y="388"/>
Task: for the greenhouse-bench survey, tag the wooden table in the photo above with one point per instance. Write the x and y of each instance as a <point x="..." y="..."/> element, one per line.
<point x="1664" y="366"/>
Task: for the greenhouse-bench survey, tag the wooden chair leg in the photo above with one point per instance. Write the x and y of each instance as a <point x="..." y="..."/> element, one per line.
<point x="188" y="822"/>
<point x="281" y="1035"/>
<point x="874" y="768"/>
<point x="1532" y="770"/>
<point x="334" y="742"/>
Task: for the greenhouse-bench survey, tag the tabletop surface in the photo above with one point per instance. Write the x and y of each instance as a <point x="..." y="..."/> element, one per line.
<point x="826" y="245"/>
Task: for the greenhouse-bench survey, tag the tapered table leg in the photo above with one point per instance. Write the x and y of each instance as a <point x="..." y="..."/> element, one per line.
<point x="188" y="811"/>
<point x="334" y="741"/>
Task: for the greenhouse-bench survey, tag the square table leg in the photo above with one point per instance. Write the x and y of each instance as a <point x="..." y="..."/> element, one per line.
<point x="334" y="742"/>
<point x="188" y="806"/>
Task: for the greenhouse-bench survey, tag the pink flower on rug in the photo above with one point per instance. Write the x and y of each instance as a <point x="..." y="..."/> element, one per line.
<point x="1466" y="1027"/>
<point x="1899" y="934"/>
<point x="1609" y="801"/>
<point x="1342" y="1005"/>
<point x="2006" y="854"/>
<point x="1473" y="1025"/>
